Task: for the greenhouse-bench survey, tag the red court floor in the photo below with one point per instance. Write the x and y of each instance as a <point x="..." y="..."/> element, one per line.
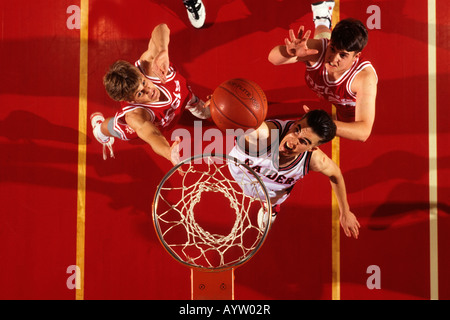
<point x="388" y="177"/>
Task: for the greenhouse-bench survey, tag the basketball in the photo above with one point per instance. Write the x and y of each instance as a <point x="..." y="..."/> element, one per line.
<point x="238" y="104"/>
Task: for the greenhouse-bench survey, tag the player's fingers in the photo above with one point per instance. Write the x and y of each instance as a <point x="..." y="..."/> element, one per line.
<point x="175" y="151"/>
<point x="161" y="75"/>
<point x="155" y="69"/>
<point x="355" y="232"/>
<point x="292" y="35"/>
<point x="347" y="232"/>
<point x="306" y="36"/>
<point x="163" y="78"/>
<point x="288" y="50"/>
<point x="175" y="155"/>
<point x="158" y="70"/>
<point x="300" y="32"/>
<point x="165" y="69"/>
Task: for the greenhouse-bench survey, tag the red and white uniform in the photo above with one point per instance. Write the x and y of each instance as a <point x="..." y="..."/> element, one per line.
<point x="164" y="114"/>
<point x="337" y="92"/>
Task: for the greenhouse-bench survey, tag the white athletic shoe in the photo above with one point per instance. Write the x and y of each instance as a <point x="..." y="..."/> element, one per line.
<point x="96" y="121"/>
<point x="262" y="218"/>
<point x="197" y="109"/>
<point x="322" y="12"/>
<point x="196" y="12"/>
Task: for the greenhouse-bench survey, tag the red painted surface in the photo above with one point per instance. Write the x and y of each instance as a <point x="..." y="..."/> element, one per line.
<point x="387" y="176"/>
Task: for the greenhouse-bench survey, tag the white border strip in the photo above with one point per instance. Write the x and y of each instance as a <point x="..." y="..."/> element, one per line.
<point x="432" y="151"/>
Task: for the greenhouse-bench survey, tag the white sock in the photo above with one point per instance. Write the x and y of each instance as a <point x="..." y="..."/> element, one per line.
<point x="100" y="134"/>
<point x="322" y="22"/>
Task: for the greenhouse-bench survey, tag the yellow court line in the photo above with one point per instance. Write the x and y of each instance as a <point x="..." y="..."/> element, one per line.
<point x="432" y="150"/>
<point x="335" y="225"/>
<point x="82" y="129"/>
<point x="335" y="231"/>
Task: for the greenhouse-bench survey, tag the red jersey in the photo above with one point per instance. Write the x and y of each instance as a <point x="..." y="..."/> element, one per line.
<point x="337" y="92"/>
<point x="163" y="114"/>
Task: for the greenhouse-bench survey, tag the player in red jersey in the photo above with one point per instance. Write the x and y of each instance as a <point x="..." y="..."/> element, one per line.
<point x="335" y="69"/>
<point x="152" y="94"/>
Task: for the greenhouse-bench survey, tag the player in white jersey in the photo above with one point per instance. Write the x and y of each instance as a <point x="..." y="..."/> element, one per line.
<point x="283" y="152"/>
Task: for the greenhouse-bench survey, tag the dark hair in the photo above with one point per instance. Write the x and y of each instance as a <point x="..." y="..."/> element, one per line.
<point x="322" y="124"/>
<point x="349" y="35"/>
<point x="122" y="80"/>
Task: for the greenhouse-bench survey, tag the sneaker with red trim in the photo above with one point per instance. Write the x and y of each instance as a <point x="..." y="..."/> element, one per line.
<point x="322" y="12"/>
<point x="197" y="108"/>
<point x="262" y="216"/>
<point x="196" y="12"/>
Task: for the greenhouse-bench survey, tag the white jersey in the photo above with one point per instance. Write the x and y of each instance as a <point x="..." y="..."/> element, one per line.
<point x="279" y="181"/>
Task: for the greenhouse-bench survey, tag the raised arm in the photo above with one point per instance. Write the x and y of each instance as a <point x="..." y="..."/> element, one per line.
<point x="296" y="48"/>
<point x="156" y="59"/>
<point x="320" y="162"/>
<point x="147" y="131"/>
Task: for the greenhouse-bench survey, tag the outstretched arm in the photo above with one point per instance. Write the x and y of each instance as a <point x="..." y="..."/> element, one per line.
<point x="296" y="48"/>
<point x="320" y="162"/>
<point x="147" y="131"/>
<point x="156" y="59"/>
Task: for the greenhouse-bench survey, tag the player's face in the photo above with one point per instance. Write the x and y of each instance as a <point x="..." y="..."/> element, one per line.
<point x="299" y="138"/>
<point x="337" y="61"/>
<point x="147" y="92"/>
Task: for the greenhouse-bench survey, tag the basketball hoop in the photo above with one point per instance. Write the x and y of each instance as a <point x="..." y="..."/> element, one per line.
<point x="204" y="219"/>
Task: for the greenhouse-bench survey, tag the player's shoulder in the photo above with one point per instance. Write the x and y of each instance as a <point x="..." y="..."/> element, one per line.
<point x="271" y="124"/>
<point x="368" y="70"/>
<point x="138" y="114"/>
<point x="365" y="68"/>
<point x="318" y="161"/>
<point x="367" y="75"/>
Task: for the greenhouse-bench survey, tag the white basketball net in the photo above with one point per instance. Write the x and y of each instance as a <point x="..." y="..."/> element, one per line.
<point x="183" y="230"/>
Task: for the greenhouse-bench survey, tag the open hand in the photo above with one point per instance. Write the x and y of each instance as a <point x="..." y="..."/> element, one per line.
<point x="160" y="65"/>
<point x="296" y="46"/>
<point x="350" y="225"/>
<point x="175" y="152"/>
